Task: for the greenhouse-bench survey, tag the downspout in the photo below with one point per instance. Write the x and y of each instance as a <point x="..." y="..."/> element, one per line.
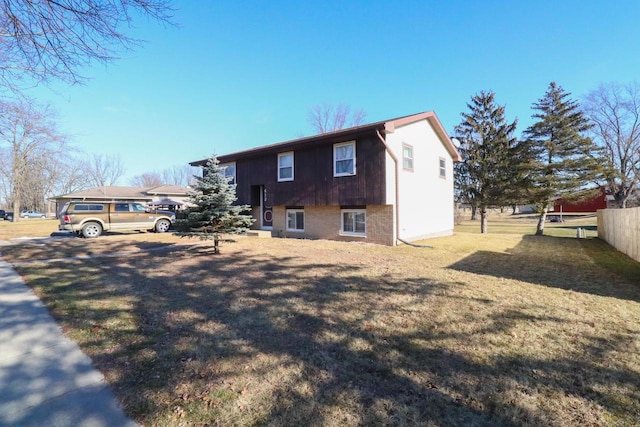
<point x="397" y="173"/>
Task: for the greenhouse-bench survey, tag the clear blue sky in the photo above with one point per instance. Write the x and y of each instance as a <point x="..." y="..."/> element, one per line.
<point x="237" y="75"/>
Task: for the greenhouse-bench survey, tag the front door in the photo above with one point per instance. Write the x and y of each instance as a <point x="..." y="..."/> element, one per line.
<point x="266" y="208"/>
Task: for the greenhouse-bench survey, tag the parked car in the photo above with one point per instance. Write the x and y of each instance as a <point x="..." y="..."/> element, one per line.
<point x="32" y="214"/>
<point x="8" y="216"/>
<point x="90" y="219"/>
<point x="2" y="213"/>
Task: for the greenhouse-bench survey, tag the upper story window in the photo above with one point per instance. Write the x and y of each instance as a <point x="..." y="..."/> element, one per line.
<point x="407" y="157"/>
<point x="285" y="166"/>
<point x="344" y="159"/>
<point x="443" y="168"/>
<point x="230" y="171"/>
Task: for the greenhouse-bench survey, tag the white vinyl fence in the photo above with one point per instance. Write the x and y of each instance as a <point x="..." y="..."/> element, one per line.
<point x="621" y="229"/>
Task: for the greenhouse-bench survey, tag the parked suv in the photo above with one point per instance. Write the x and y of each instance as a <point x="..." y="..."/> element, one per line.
<point x="90" y="219"/>
<point x="32" y="214"/>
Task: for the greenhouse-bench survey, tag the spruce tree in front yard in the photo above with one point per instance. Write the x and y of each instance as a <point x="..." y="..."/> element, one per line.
<point x="213" y="212"/>
<point x="567" y="164"/>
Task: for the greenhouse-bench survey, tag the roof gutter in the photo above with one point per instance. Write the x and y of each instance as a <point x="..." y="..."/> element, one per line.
<point x="397" y="185"/>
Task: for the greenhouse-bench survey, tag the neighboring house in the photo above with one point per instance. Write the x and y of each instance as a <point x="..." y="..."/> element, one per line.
<point x="599" y="201"/>
<point x="166" y="196"/>
<point x="383" y="182"/>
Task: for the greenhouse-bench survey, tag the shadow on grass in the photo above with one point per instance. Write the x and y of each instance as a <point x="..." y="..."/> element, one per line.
<point x="153" y="329"/>
<point x="551" y="261"/>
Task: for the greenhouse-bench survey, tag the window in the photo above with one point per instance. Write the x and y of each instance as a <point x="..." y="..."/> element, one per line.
<point x="295" y="220"/>
<point x="443" y="168"/>
<point x="285" y="166"/>
<point x="407" y="157"/>
<point x="137" y="207"/>
<point x="230" y="171"/>
<point x="354" y="222"/>
<point x="121" y="207"/>
<point x="95" y="208"/>
<point x="344" y="159"/>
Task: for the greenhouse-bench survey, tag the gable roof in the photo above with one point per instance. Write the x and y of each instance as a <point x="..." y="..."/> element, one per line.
<point x="168" y="189"/>
<point x="107" y="191"/>
<point x="125" y="193"/>
<point x="385" y="126"/>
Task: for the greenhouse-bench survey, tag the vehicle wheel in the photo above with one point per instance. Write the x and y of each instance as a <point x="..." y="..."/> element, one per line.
<point x="43" y="216"/>
<point x="91" y="230"/>
<point x="162" y="226"/>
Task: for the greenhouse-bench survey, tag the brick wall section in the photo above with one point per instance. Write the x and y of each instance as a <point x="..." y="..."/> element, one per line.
<point x="323" y="222"/>
<point x="380" y="221"/>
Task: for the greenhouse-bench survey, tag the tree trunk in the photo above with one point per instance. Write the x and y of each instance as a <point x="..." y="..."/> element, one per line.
<point x="620" y="199"/>
<point x="474" y="213"/>
<point x="483" y="221"/>
<point x="16" y="190"/>
<point x="542" y="220"/>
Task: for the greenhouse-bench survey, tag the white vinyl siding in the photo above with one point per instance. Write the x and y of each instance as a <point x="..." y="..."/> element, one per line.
<point x="416" y="218"/>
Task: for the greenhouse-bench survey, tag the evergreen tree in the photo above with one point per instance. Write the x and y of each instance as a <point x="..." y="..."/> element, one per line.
<point x="565" y="160"/>
<point x="487" y="167"/>
<point x="213" y="212"/>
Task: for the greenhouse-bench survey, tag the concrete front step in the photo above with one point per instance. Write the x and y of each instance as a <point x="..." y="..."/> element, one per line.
<point x="261" y="234"/>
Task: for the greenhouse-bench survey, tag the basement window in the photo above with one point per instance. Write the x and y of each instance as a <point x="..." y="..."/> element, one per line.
<point x="353" y="222"/>
<point x="295" y="220"/>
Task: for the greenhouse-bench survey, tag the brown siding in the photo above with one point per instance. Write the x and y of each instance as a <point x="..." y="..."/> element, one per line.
<point x="314" y="183"/>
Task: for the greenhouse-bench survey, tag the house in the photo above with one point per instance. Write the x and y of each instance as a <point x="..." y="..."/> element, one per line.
<point x="592" y="204"/>
<point x="165" y="196"/>
<point x="384" y="182"/>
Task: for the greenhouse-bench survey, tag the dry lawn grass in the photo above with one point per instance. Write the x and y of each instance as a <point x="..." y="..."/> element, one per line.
<point x="27" y="228"/>
<point x="495" y="330"/>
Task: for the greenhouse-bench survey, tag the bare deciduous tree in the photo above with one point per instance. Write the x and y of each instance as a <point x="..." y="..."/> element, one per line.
<point x="30" y="138"/>
<point x="103" y="169"/>
<point x="180" y="175"/>
<point x="147" y="179"/>
<point x="328" y="118"/>
<point x="69" y="175"/>
<point x="45" y="40"/>
<point x="615" y="111"/>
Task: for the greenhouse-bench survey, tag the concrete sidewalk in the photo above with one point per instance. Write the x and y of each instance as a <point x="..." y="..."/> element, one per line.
<point x="45" y="380"/>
